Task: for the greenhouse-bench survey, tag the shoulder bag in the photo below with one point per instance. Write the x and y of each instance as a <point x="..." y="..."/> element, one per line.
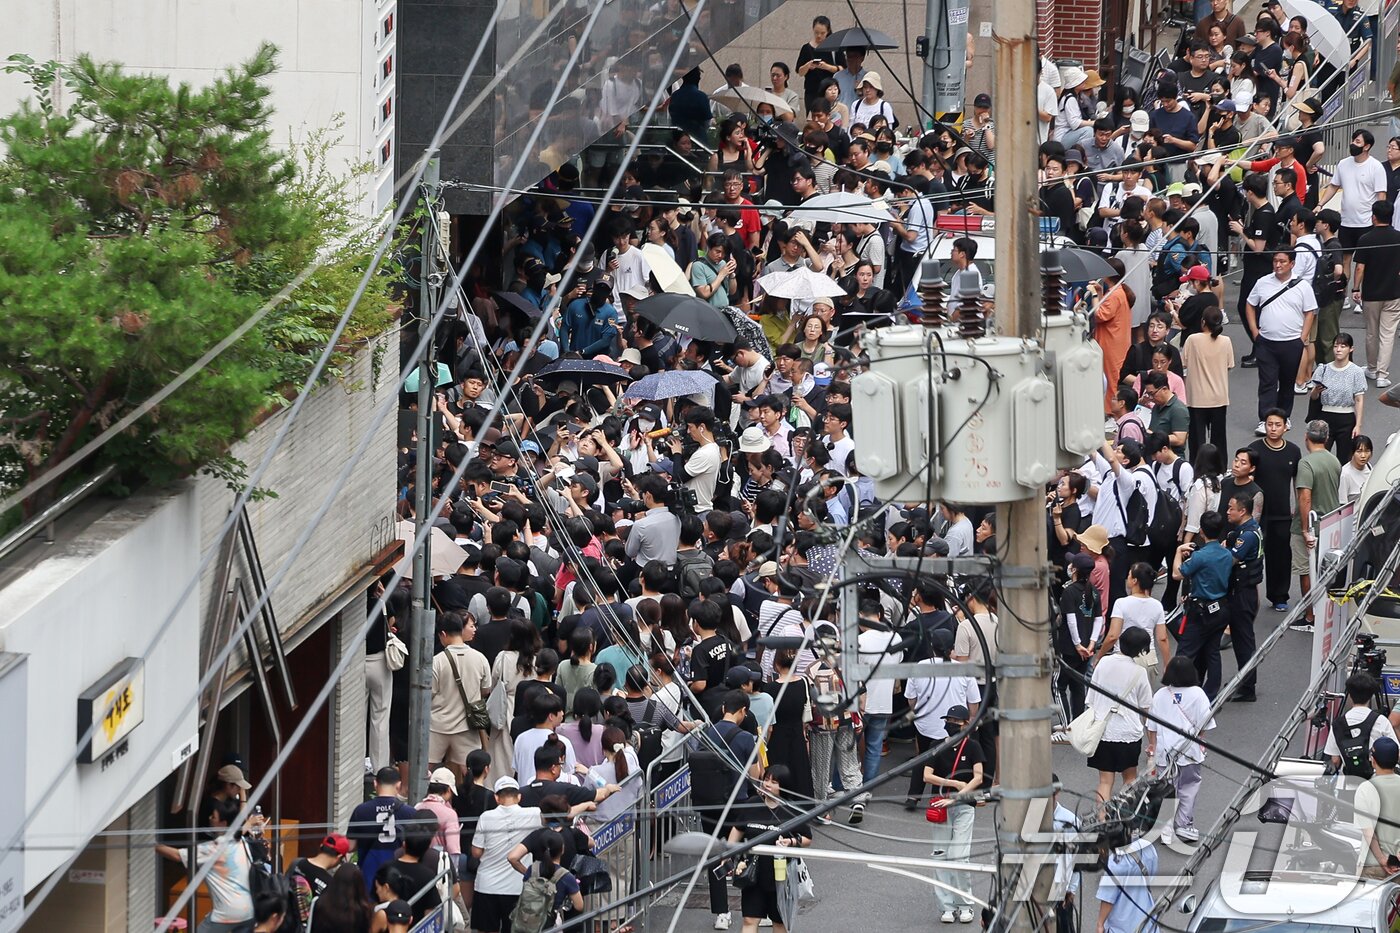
<point x="477" y="716"/>
<point x="940" y="814"/>
<point x="395" y="652"/>
<point x="1086" y="731"/>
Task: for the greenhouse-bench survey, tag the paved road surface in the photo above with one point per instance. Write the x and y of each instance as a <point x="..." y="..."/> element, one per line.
<point x="852" y="897"/>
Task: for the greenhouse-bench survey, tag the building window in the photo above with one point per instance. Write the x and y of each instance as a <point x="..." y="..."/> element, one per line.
<point x="386" y="110"/>
<point x="386" y="149"/>
<point x="388" y="28"/>
<point x="387" y="69"/>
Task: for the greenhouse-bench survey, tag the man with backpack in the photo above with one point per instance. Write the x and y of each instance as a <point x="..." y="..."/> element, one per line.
<point x="309" y="877"/>
<point x="1355" y="731"/>
<point x="717" y="753"/>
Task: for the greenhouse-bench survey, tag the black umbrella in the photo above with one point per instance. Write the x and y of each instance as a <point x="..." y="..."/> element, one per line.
<point x="1082" y="265"/>
<point x="584" y="371"/>
<point x="857" y="38"/>
<point x="684" y="314"/>
<point x="517" y="306"/>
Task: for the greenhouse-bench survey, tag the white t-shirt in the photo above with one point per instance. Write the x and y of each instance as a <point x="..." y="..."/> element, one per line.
<point x="229" y="884"/>
<point x="497" y="832"/>
<point x="960" y="537"/>
<point x="931" y="697"/>
<point x="631" y="274"/>
<point x="1143" y="612"/>
<point x="529" y="742"/>
<point x="1283" y="318"/>
<point x="703" y="467"/>
<point x="1114" y="195"/>
<point x="1187" y="708"/>
<point x="1360" y="183"/>
<point x="1121" y="676"/>
<point x="1045" y="102"/>
<point x="1353" y="480"/>
<point x="879" y="693"/>
<point x="1355" y="716"/>
<point x="839" y="451"/>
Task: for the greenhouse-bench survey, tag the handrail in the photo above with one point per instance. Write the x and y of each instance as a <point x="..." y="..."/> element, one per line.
<point x="54" y="510"/>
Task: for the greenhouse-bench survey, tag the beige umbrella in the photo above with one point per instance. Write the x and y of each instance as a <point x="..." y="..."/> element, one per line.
<point x="445" y="557"/>
<point x="669" y="275"/>
<point x="744" y="99"/>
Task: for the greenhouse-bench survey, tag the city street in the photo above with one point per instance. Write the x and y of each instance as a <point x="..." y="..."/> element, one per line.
<point x="864" y="897"/>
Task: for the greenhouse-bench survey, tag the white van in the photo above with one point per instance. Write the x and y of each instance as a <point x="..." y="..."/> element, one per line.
<point x="1299" y="902"/>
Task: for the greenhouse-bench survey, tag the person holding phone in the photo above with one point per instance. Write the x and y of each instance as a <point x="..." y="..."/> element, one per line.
<point x="713" y="274"/>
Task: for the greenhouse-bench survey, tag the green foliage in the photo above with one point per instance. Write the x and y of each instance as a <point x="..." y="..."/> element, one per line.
<point x="138" y="228"/>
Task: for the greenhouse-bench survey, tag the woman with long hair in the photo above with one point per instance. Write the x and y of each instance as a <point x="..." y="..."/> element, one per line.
<point x="732" y="151"/>
<point x="1208" y="468"/>
<point x="619" y="758"/>
<point x="344" y="906"/>
<point x="1078" y="632"/>
<point x="787" y="744"/>
<point x="674" y="620"/>
<point x="1339" y="391"/>
<point x="511" y="667"/>
<point x="577" y="671"/>
<point x="1208" y="356"/>
<point x="1184" y="709"/>
<point x="390" y="884"/>
<point x="584" y="731"/>
<point x="866" y="305"/>
<point x="659" y="233"/>
<point x="759" y="900"/>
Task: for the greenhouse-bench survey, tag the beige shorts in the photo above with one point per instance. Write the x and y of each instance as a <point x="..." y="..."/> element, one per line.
<point x="452" y="746"/>
<point x="1302" y="558"/>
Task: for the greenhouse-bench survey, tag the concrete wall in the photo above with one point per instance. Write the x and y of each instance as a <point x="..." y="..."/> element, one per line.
<point x="78" y="613"/>
<point x="326" y="50"/>
<point x="322" y="440"/>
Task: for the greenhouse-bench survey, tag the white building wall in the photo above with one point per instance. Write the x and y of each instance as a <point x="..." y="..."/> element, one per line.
<point x="325" y="47"/>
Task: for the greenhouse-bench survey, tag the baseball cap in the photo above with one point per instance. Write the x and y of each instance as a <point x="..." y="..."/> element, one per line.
<point x="232" y="774"/>
<point x="737" y="677"/>
<point x="398" y="912"/>
<point x="772" y="209"/>
<point x="508" y="449"/>
<point x="1226" y="106"/>
<point x="531" y="447"/>
<point x="1082" y="562"/>
<point x="1386" y="752"/>
<point x="587" y="482"/>
<point x="769" y="568"/>
<point x="336" y="843"/>
<point x="491" y="437"/>
<point x="1197" y="273"/>
<point x="443" y="776"/>
<point x="1285" y="142"/>
<point x="982" y="100"/>
<point x="507" y="783"/>
<point x="958" y="712"/>
<point x="649" y="412"/>
<point x="1176" y="188"/>
<point x="940" y="640"/>
<point x="663" y="465"/>
<point x="821" y="374"/>
<point x="1140" y="121"/>
<point x="1190" y="189"/>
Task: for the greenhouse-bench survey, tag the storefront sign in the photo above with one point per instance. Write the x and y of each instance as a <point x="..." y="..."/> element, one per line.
<point x="117" y="703"/>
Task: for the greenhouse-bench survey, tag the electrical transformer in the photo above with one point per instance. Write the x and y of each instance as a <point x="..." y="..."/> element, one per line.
<point x="1077" y="363"/>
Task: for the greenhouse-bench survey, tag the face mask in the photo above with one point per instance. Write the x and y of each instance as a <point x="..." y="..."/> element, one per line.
<point x="1127" y="111"/>
<point x="644" y="425"/>
<point x="1357" y="150"/>
<point x="766" y="117"/>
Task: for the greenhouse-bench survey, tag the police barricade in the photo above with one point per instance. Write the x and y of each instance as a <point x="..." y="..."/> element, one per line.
<point x="668" y="811"/>
<point x="613" y="828"/>
<point x="447" y="915"/>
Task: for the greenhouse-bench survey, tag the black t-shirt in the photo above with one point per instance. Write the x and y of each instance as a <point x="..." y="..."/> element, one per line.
<point x="757" y="818"/>
<point x="812" y="80"/>
<point x="531" y="794"/>
<point x="927" y="623"/>
<point x="1379" y="250"/>
<point x="711" y="659"/>
<point x="967" y="753"/>
<point x="491" y="639"/>
<point x="526" y="692"/>
<point x="1072" y="520"/>
<point x="1275" y="474"/>
<point x="1057" y="201"/>
<point x="1192" y="309"/>
<point x="1265" y="60"/>
<point x="1190" y="84"/>
<point x="1229" y="489"/>
<point x="422" y="876"/>
<point x="470" y="801"/>
<point x="534" y="843"/>
<point x="317" y="877"/>
<point x="1261" y="224"/>
<point x="1139" y="359"/>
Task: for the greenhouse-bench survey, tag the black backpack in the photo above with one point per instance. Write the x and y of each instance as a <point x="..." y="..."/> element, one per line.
<point x="1165" y="527"/>
<point x="263" y="881"/>
<point x="649" y="734"/>
<point x="1354" y="743"/>
<point x="1136" y="526"/>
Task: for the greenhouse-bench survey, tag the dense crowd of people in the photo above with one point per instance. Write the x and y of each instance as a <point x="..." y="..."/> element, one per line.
<point x="646" y="581"/>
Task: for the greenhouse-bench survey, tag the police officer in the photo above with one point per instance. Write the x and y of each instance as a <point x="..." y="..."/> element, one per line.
<point x="1206" y="568"/>
<point x="1245" y="541"/>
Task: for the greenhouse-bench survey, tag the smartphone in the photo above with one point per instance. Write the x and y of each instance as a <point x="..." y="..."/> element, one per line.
<point x="500" y="487"/>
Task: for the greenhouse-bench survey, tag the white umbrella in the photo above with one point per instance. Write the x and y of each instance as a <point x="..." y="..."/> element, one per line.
<point x="800" y="283"/>
<point x="745" y="99"/>
<point x="445" y="557"/>
<point x="841" y="207"/>
<point x="1324" y="32"/>
<point x="669" y="275"/>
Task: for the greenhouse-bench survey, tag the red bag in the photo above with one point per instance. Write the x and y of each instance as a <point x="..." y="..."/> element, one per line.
<point x="940" y="814"/>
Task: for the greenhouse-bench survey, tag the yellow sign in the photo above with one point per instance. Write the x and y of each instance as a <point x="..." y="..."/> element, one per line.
<point x="112" y="708"/>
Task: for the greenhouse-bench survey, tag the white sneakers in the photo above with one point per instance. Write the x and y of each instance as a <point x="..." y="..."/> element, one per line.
<point x="964" y="915"/>
<point x="1382" y="382"/>
<point x="961" y="915"/>
<point x="948" y="917"/>
<point x="721" y="921"/>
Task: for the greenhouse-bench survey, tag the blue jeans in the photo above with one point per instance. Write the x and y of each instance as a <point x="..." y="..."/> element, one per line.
<point x="877" y="726"/>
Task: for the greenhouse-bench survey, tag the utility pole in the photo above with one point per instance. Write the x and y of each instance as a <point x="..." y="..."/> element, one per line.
<point x="943" y="47"/>
<point x="420" y="644"/>
<point x="1024" y="659"/>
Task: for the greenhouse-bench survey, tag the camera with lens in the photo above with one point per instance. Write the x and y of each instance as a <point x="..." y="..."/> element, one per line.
<point x="683" y="500"/>
<point x="1368" y="657"/>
